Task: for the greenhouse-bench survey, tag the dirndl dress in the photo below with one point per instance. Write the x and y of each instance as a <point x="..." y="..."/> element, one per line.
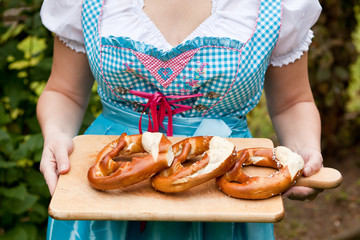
<point x="206" y="86"/>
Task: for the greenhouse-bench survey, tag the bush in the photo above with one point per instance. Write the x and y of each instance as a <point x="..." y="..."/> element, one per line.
<point x="25" y="61"/>
<point x="331" y="55"/>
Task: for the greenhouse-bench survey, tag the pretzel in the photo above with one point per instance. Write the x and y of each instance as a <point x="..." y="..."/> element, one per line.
<point x="237" y="184"/>
<point x="218" y="156"/>
<point x="107" y="173"/>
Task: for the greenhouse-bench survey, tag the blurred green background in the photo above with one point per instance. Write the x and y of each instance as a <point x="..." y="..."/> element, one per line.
<point x="25" y="64"/>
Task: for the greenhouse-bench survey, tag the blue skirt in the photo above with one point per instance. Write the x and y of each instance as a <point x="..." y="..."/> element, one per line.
<point x="106" y="124"/>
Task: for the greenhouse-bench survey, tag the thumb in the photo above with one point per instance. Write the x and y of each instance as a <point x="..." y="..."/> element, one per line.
<point x="313" y="161"/>
<point x="62" y="153"/>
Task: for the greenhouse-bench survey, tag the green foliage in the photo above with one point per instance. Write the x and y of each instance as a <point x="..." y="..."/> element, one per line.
<point x="25" y="61"/>
<point x="353" y="106"/>
<point x="330" y="57"/>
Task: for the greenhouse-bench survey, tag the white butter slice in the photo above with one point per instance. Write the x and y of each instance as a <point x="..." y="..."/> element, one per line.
<point x="170" y="156"/>
<point x="150" y="142"/>
<point x="219" y="150"/>
<point x="286" y="157"/>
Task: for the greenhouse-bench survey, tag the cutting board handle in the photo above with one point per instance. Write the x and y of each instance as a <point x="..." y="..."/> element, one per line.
<point x="325" y="178"/>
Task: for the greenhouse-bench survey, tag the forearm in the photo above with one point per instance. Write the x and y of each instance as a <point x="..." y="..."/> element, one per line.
<point x="298" y="126"/>
<point x="57" y="112"/>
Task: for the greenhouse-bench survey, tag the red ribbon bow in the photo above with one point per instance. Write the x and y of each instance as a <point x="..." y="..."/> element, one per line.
<point x="157" y="114"/>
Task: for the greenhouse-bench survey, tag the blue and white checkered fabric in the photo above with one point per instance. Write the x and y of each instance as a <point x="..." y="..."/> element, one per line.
<point x="229" y="73"/>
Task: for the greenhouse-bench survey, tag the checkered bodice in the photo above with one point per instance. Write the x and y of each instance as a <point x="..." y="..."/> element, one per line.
<point x="228" y="73"/>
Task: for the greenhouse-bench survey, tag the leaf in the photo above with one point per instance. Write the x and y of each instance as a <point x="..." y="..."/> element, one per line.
<point x="32" y="145"/>
<point x="33" y="124"/>
<point x="23" y="231"/>
<point x="6" y="142"/>
<point x="31" y="231"/>
<point x="9" y="49"/>
<point x="34" y="142"/>
<point x="20" y="64"/>
<point x="32" y="46"/>
<point x="17" y="95"/>
<point x="18" y="192"/>
<point x="19" y="206"/>
<point x="4" y="117"/>
<point x="26" y="63"/>
<point x="20" y="153"/>
<point x="15" y="233"/>
<point x="36" y="183"/>
<point x="9" y="176"/>
<point x="5" y="164"/>
<point x="24" y="163"/>
<point x="4" y="136"/>
<point x="11" y="32"/>
<point x="39" y="213"/>
<point x="37" y="87"/>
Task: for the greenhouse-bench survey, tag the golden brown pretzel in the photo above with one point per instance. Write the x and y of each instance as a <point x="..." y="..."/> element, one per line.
<point x="218" y="156"/>
<point x="237" y="184"/>
<point x="107" y="173"/>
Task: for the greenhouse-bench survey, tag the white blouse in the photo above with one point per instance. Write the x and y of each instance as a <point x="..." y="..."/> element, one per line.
<point x="229" y="18"/>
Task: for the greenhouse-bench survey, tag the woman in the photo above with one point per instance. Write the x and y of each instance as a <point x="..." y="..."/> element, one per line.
<point x="214" y="56"/>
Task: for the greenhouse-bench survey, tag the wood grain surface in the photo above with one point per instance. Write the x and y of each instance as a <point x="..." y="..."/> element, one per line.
<point x="75" y="199"/>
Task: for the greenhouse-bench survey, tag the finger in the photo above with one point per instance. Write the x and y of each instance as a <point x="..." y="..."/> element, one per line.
<point x="62" y="158"/>
<point x="48" y="169"/>
<point x="313" y="163"/>
<point x="301" y="193"/>
<point x="51" y="178"/>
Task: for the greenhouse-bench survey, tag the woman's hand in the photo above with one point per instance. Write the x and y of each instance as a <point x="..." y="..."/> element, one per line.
<point x="313" y="163"/>
<point x="55" y="158"/>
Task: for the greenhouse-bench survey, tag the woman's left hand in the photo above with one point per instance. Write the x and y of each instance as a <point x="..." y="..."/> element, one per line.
<point x="313" y="163"/>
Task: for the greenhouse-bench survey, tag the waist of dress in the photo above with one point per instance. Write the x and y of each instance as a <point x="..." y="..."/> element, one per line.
<point x="182" y="126"/>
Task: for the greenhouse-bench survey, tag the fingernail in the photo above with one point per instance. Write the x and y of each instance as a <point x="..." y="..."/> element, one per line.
<point x="307" y="171"/>
<point x="62" y="167"/>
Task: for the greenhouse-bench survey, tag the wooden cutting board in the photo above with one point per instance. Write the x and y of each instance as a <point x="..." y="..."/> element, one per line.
<point x="75" y="199"/>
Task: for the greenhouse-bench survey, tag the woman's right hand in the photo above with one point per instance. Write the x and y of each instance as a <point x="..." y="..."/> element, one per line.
<point x="55" y="158"/>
